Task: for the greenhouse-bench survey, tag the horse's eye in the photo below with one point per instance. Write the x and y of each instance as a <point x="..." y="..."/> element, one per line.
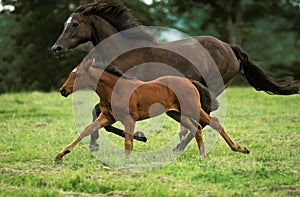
<point x="75" y="24"/>
<point x="78" y="75"/>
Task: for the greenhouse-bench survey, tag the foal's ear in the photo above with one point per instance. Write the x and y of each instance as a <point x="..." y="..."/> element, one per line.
<point x="88" y="63"/>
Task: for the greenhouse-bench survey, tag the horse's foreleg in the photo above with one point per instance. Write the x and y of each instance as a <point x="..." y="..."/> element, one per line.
<point x="95" y="135"/>
<point x="216" y="125"/>
<point x="101" y="121"/>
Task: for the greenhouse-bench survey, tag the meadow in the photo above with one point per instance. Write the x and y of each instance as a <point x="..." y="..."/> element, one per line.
<point x="35" y="126"/>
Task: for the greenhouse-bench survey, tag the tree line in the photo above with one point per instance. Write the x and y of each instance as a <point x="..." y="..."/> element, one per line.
<point x="268" y="30"/>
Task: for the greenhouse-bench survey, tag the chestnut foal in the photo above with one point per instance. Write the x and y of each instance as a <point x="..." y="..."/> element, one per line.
<point x="175" y="96"/>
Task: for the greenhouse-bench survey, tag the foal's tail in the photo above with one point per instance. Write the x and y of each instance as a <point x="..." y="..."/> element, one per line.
<point x="260" y="80"/>
<point x="208" y="100"/>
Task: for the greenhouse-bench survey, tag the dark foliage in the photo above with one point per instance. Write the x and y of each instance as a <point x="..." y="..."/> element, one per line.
<point x="269" y="31"/>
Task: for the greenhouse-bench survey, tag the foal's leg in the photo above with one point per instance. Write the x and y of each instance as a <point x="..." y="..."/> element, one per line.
<point x="198" y="135"/>
<point x="101" y="121"/>
<point x="216" y="125"/>
<point x="129" y="125"/>
<point x="200" y="141"/>
<point x="95" y="135"/>
<point x="183" y="143"/>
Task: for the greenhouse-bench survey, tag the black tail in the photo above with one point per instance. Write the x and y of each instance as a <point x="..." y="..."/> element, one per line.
<point x="208" y="100"/>
<point x="260" y="80"/>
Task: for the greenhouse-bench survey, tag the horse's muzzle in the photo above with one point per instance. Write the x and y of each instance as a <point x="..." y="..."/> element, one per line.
<point x="58" y="50"/>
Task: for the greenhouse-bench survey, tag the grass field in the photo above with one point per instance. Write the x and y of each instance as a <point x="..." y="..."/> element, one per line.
<point x="35" y="126"/>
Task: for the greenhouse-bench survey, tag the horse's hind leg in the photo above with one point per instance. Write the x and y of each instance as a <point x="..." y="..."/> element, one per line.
<point x="184" y="141"/>
<point x="186" y="122"/>
<point x="215" y="124"/>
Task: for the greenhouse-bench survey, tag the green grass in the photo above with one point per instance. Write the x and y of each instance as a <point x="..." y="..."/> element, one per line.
<point x="35" y="126"/>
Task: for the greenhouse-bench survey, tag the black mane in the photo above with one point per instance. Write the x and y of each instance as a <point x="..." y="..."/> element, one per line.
<point x="118" y="15"/>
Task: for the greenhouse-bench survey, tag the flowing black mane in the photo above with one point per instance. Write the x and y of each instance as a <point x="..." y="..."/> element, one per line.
<point x="118" y="15"/>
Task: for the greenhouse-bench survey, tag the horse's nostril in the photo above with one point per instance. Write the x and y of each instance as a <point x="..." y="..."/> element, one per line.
<point x="57" y="48"/>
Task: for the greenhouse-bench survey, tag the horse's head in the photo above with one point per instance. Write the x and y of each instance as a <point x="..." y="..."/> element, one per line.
<point x="77" y="30"/>
<point x="94" y="22"/>
<point x="81" y="77"/>
<point x="84" y="24"/>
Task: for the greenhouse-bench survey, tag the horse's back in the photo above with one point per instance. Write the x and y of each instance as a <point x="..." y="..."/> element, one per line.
<point x="224" y="58"/>
<point x="214" y="58"/>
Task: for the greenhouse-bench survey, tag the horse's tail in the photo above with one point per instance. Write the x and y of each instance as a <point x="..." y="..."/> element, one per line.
<point x="260" y="80"/>
<point x="208" y="100"/>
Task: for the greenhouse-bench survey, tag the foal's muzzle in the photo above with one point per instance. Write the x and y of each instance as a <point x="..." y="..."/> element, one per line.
<point x="64" y="92"/>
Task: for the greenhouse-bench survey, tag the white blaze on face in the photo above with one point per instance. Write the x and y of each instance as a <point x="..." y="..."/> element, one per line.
<point x="67" y="23"/>
<point x="75" y="70"/>
<point x="69" y="20"/>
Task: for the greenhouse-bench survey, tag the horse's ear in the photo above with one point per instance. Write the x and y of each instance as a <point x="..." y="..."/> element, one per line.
<point x="92" y="8"/>
<point x="87" y="11"/>
<point x="98" y="7"/>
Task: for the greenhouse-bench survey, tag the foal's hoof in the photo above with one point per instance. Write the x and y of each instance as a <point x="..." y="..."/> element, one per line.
<point x="94" y="147"/>
<point x="59" y="156"/>
<point x="246" y="151"/>
<point x="138" y="135"/>
<point x="58" y="159"/>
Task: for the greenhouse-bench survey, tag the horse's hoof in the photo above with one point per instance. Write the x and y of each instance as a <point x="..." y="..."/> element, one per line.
<point x="94" y="147"/>
<point x="178" y="148"/>
<point x="138" y="135"/>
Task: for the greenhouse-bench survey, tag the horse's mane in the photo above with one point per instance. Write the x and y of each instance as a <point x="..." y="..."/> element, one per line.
<point x="117" y="14"/>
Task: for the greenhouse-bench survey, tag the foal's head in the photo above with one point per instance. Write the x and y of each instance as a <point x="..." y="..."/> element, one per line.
<point x="81" y="77"/>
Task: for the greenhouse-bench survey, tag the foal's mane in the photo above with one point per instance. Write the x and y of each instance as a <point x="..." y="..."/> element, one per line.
<point x="117" y="14"/>
<point x="116" y="72"/>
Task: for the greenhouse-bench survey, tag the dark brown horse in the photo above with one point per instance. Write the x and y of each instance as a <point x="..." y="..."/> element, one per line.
<point x="173" y="95"/>
<point x="97" y="21"/>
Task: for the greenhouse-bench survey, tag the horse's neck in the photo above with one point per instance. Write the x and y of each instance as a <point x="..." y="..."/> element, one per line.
<point x="101" y="29"/>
